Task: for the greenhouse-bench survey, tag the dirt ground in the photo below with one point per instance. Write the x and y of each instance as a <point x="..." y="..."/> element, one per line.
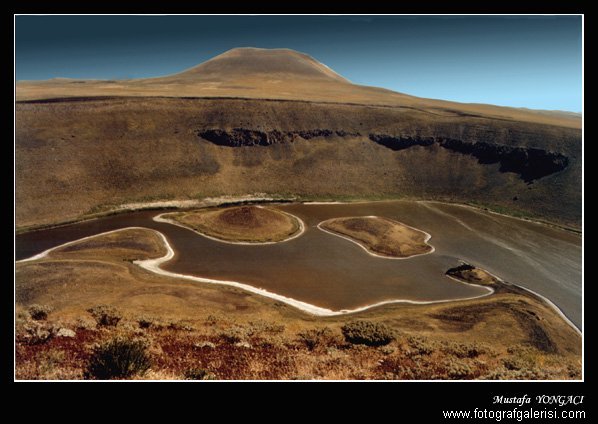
<point x="381" y="236"/>
<point x="251" y="224"/>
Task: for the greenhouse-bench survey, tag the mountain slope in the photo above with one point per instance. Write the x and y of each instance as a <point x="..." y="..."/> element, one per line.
<point x="210" y="131"/>
<point x="273" y="74"/>
<point x="252" y="63"/>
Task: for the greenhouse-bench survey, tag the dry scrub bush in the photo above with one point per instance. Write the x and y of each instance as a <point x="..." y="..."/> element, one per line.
<point x="464" y="350"/>
<point x="39" y="312"/>
<point x="105" y="315"/>
<point x="260" y="326"/>
<point x="199" y="374"/>
<point x="368" y="333"/>
<point x="234" y="334"/>
<point x="118" y="358"/>
<point x="420" y="346"/>
<point x="33" y="333"/>
<point x="318" y="337"/>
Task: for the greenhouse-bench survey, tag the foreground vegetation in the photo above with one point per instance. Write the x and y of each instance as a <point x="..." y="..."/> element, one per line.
<point x="216" y="348"/>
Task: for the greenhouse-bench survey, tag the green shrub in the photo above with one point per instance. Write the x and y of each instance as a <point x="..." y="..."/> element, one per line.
<point x="368" y="333"/>
<point x="118" y="358"/>
<point x="105" y="315"/>
<point x="39" y="312"/>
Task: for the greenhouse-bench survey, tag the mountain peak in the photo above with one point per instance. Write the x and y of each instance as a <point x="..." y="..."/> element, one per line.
<point x="252" y="62"/>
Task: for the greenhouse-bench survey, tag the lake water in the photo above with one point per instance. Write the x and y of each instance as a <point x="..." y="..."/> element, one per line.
<point x="334" y="273"/>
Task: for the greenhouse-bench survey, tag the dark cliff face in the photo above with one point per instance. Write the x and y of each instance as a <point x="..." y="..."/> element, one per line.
<point x="238" y="137"/>
<point x="400" y="143"/>
<point x="126" y="149"/>
<point x="529" y="162"/>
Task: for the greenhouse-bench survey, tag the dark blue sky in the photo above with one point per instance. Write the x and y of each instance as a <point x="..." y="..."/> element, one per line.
<point x="533" y="62"/>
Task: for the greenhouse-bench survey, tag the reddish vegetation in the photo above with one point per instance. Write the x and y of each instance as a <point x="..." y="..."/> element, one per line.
<point x="262" y="350"/>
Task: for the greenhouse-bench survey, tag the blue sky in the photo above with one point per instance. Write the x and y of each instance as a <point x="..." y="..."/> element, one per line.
<point x="522" y="61"/>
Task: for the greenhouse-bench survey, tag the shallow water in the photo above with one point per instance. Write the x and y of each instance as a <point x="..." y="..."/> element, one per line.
<point x="331" y="272"/>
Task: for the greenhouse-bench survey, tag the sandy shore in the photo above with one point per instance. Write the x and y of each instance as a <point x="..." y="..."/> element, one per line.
<point x="183" y="204"/>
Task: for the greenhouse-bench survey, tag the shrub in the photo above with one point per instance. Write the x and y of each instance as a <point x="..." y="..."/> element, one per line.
<point x="199" y="374"/>
<point x="317" y="337"/>
<point x="528" y="374"/>
<point x="458" y="370"/>
<point x="146" y="322"/>
<point x="261" y="327"/>
<point x="420" y="346"/>
<point x="118" y="358"/>
<point x="179" y="325"/>
<point x="234" y="334"/>
<point x="105" y="315"/>
<point x="39" y="312"/>
<point x="464" y="350"/>
<point x="368" y="333"/>
<point x="33" y="333"/>
<point x="514" y="364"/>
<point x="205" y="344"/>
<point x="84" y="323"/>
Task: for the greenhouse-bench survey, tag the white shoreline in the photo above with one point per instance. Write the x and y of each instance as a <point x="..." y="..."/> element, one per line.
<point x="368" y="251"/>
<point x="50" y="250"/>
<point x="153" y="265"/>
<point x="159" y="218"/>
<point x="545" y="299"/>
<point x="553" y="306"/>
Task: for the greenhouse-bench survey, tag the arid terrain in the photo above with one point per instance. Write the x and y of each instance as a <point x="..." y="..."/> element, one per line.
<point x="381" y="235"/>
<point x="194" y="331"/>
<point x="289" y="128"/>
<point x="276" y="124"/>
<point x="249" y="224"/>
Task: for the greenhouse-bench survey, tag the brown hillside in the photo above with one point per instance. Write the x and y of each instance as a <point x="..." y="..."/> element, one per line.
<point x="77" y="153"/>
<point x="256" y="63"/>
<point x="273" y="74"/>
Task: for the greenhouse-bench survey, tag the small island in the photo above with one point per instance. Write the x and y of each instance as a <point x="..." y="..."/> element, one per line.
<point x="380" y="236"/>
<point x="472" y="275"/>
<point x="241" y="224"/>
